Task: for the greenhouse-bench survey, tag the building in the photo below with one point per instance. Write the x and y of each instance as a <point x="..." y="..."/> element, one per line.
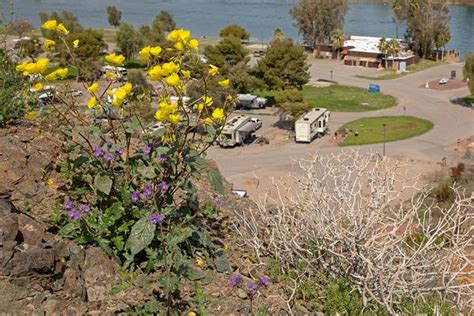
<point x="363" y="51"/>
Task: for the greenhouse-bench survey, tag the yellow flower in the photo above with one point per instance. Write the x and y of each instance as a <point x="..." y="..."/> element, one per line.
<point x="28" y="68"/>
<point x="224" y="83"/>
<point x="179" y="35"/>
<point x="174" y="118"/>
<point x="208" y="121"/>
<point x="49" y="182"/>
<point x="127" y="87"/>
<point x="38" y="86"/>
<point x="92" y="102"/>
<point x="145" y="53"/>
<point x="186" y="74"/>
<point x="60" y="73"/>
<point x="115" y="59"/>
<point x="155" y="73"/>
<point x="93" y="88"/>
<point x="200" y="263"/>
<point x="179" y="46"/>
<point x="155" y="51"/>
<point x="208" y="100"/>
<point x="169" y="68"/>
<point x="111" y="75"/>
<point x="49" y="44"/>
<point x="42" y="65"/>
<point x="62" y="29"/>
<point x="172" y="80"/>
<point x="199" y="107"/>
<point x="75" y="43"/>
<point x="191" y="314"/>
<point x="161" y="115"/>
<point x="218" y="114"/>
<point x="30" y="116"/>
<point x="213" y="70"/>
<point x="50" y="25"/>
<point x="194" y="44"/>
<point x="226" y="247"/>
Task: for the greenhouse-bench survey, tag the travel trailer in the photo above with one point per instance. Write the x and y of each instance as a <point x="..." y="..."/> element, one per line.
<point x="236" y="131"/>
<point x="250" y="101"/>
<point x="312" y="124"/>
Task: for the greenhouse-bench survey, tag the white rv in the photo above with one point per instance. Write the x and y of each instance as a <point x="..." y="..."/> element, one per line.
<point x="250" y="101"/>
<point x="236" y="131"/>
<point x="312" y="124"/>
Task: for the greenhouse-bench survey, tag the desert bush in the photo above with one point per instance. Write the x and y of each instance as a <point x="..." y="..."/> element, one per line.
<point x="131" y="189"/>
<point x="352" y="215"/>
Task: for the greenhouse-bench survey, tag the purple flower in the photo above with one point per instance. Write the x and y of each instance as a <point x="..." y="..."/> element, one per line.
<point x="119" y="150"/>
<point x="147" y="149"/>
<point x="156" y="218"/>
<point x="69" y="205"/>
<point x="163" y="186"/>
<point x="109" y="144"/>
<point x="74" y="215"/>
<point x="235" y="280"/>
<point x="147" y="190"/>
<point x="264" y="280"/>
<point x="109" y="156"/>
<point x="98" y="151"/>
<point x="85" y="208"/>
<point x="163" y="158"/>
<point x="251" y="288"/>
<point x="218" y="201"/>
<point x="135" y="197"/>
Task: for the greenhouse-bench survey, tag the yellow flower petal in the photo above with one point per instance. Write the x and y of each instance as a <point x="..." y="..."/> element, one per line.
<point x="218" y="114"/>
<point x="38" y="86"/>
<point x="30" y="116"/>
<point x="49" y="182"/>
<point x="208" y="100"/>
<point x="194" y="44"/>
<point x="62" y="29"/>
<point x="93" y="88"/>
<point x="224" y="83"/>
<point x="92" y="102"/>
<point x="172" y="80"/>
<point x="75" y="43"/>
<point x="213" y="70"/>
<point x="49" y="44"/>
<point x="174" y="118"/>
<point x="115" y="59"/>
<point x="155" y="51"/>
<point x="145" y="54"/>
<point x="50" y="25"/>
<point x="155" y="73"/>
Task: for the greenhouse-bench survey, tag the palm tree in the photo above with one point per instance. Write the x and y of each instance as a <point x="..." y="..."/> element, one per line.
<point x="383" y="47"/>
<point x="441" y="38"/>
<point x="393" y="48"/>
<point x="337" y="37"/>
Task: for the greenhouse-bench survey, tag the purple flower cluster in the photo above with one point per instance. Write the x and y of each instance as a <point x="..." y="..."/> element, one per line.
<point x="163" y="158"/>
<point x="218" y="201"/>
<point x="147" y="192"/>
<point x="156" y="218"/>
<point x="147" y="149"/>
<point x="135" y="196"/>
<point x="251" y="288"/>
<point x="163" y="186"/>
<point x="75" y="212"/>
<point x="108" y="155"/>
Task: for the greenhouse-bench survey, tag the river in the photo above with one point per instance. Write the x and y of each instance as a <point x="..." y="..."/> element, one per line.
<point x="259" y="17"/>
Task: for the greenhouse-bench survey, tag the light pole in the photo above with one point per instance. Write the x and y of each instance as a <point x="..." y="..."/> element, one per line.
<point x="331" y="75"/>
<point x="384" y="125"/>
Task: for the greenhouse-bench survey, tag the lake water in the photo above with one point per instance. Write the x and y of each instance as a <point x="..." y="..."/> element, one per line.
<point x="259" y="17"/>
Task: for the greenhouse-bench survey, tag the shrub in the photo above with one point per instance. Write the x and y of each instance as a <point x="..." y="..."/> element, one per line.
<point x="131" y="189"/>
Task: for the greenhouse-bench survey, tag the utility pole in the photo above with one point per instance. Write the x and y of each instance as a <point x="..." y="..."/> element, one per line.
<point x="331" y="75"/>
<point x="384" y="125"/>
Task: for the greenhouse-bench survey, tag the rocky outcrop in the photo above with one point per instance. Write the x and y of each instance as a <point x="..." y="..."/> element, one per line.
<point x="43" y="273"/>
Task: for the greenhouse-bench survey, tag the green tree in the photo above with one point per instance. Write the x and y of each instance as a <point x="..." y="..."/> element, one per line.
<point x="87" y="54"/>
<point x="242" y="80"/>
<point x="166" y="21"/>
<point x="424" y="19"/>
<point x="227" y="53"/>
<point x="393" y="48"/>
<point x="292" y="102"/>
<point x="114" y="15"/>
<point x="30" y="48"/>
<point x="337" y="40"/>
<point x="278" y="34"/>
<point x="128" y="40"/>
<point x="284" y="66"/>
<point x="234" y="30"/>
<point x="317" y="19"/>
<point x="468" y="71"/>
<point x="70" y="21"/>
<point x="441" y="38"/>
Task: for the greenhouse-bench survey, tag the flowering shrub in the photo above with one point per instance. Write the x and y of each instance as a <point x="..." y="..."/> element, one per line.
<point x="129" y="187"/>
<point x="251" y="288"/>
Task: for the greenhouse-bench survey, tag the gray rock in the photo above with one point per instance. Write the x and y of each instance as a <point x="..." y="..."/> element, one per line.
<point x="223" y="265"/>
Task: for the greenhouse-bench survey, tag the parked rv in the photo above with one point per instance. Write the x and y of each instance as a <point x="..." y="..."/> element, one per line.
<point x="249" y="101"/>
<point x="312" y="124"/>
<point x="237" y="130"/>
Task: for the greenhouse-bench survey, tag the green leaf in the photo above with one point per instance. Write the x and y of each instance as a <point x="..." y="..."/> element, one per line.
<point x="103" y="183"/>
<point x="215" y="180"/>
<point x="169" y="282"/>
<point x="67" y="230"/>
<point x="79" y="161"/>
<point x="141" y="235"/>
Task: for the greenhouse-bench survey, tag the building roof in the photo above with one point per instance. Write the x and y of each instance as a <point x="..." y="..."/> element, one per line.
<point x="311" y="116"/>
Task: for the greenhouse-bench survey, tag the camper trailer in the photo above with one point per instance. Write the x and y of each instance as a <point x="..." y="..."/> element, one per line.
<point x="312" y="124"/>
<point x="250" y="101"/>
<point x="236" y="131"/>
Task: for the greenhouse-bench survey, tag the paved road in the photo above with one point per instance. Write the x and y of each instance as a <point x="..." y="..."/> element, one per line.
<point x="241" y="165"/>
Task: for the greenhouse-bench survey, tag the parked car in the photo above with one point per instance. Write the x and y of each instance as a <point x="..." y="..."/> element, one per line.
<point x="258" y="122"/>
<point x="76" y="93"/>
<point x="443" y="81"/>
